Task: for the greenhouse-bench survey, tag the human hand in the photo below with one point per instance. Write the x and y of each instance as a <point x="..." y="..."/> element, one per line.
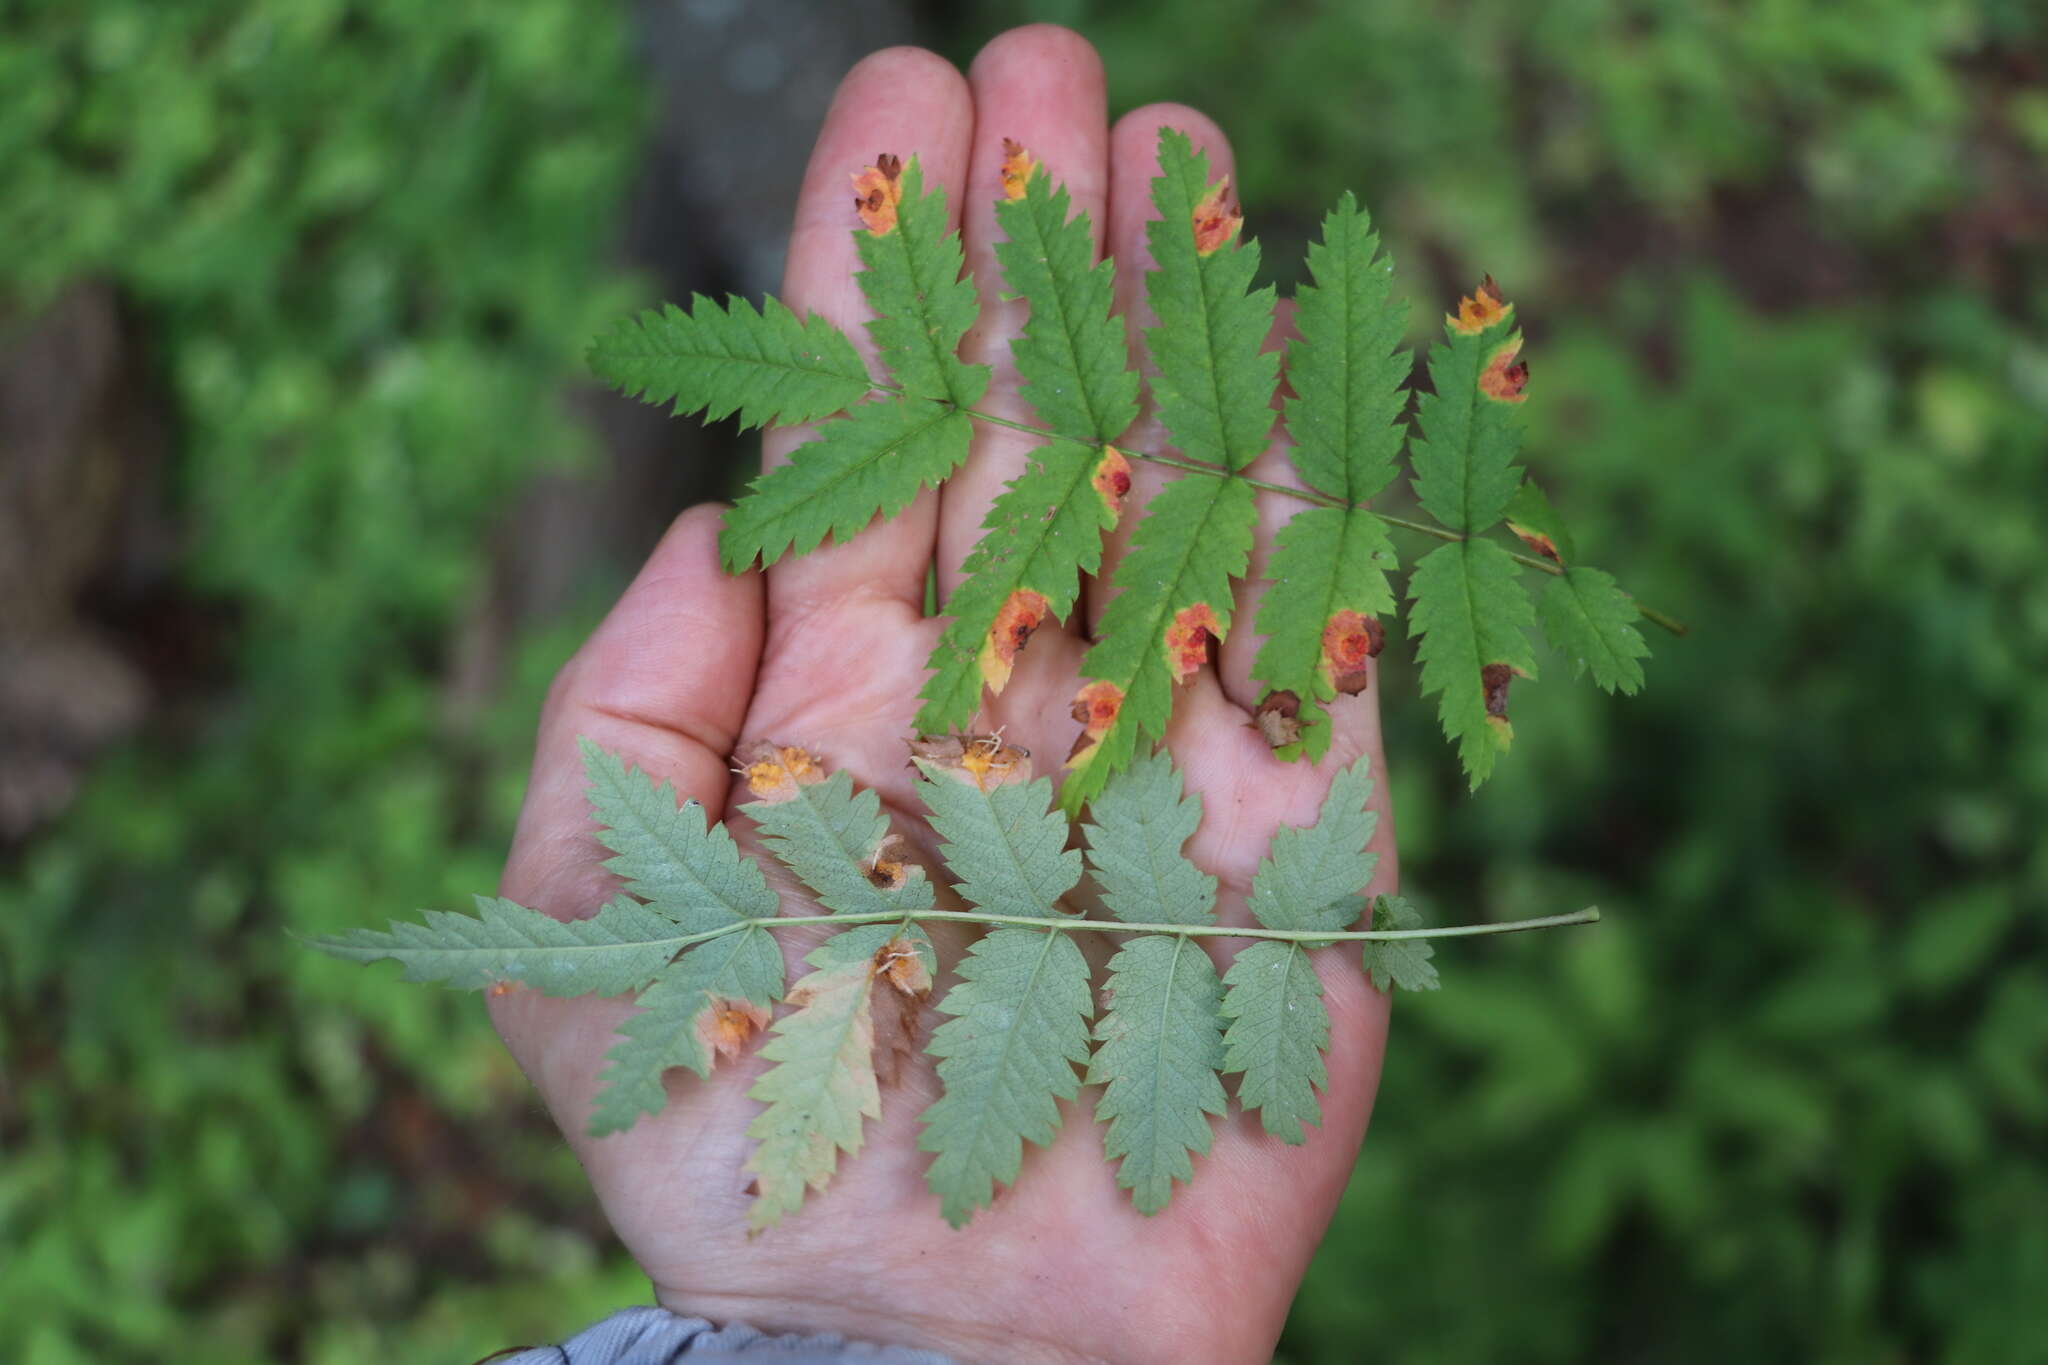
<point x="828" y="651"/>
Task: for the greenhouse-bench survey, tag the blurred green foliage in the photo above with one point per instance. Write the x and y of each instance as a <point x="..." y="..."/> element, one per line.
<point x="1783" y="271"/>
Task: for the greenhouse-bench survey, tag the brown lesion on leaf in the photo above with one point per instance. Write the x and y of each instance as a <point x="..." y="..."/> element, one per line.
<point x="1480" y="309"/>
<point x="725" y="1026"/>
<point x="1278" y="719"/>
<point x="983" y="760"/>
<point x="1112" y="481"/>
<point x="1536" y="540"/>
<point x="1188" y="637"/>
<point x="1351" y="640"/>
<point x="877" y="191"/>
<point x="1505" y="377"/>
<point x="1494" y="680"/>
<point x="774" y="771"/>
<point x="1018" y="165"/>
<point x="1096" y="707"/>
<point x="1021" y="614"/>
<point x="888" y="867"/>
<point x="897" y="1011"/>
<point x="1217" y="218"/>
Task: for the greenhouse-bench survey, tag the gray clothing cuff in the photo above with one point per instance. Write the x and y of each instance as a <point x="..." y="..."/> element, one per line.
<point x="655" y="1336"/>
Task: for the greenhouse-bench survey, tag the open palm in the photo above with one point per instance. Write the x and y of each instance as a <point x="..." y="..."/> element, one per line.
<point x="828" y="651"/>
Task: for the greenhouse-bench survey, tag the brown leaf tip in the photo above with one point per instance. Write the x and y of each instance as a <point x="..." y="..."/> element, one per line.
<point x="1018" y="164"/>
<point x="1112" y="481"/>
<point x="1188" y="637"/>
<point x="725" y="1026"/>
<point x="1278" y="719"/>
<point x="775" y="771"/>
<point x="1505" y="377"/>
<point x="983" y="760"/>
<point x="1480" y="309"/>
<point x="1350" y="639"/>
<point x="1217" y="218"/>
<point x="1021" y="614"/>
<point x="1096" y="707"/>
<point x="877" y="191"/>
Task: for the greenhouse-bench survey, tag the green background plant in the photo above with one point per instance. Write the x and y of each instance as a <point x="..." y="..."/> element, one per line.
<point x="1785" y="288"/>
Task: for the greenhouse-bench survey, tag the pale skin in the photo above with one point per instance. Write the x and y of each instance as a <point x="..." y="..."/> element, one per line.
<point x="828" y="651"/>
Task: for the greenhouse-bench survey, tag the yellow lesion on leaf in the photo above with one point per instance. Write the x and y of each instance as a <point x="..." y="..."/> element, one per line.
<point x="1350" y="640"/>
<point x="1018" y="164"/>
<point x="983" y="760"/>
<point x="1096" y="707"/>
<point x="877" y="191"/>
<point x="1217" y="218"/>
<point x="725" y="1026"/>
<point x="1112" y="481"/>
<point x="1021" y="614"/>
<point x="775" y="771"/>
<point x="1505" y="378"/>
<point x="1188" y="637"/>
<point x="1480" y="309"/>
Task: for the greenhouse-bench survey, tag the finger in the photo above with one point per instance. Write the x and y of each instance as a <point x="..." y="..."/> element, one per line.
<point x="905" y="101"/>
<point x="663" y="682"/>
<point x="1041" y="87"/>
<point x="1133" y="162"/>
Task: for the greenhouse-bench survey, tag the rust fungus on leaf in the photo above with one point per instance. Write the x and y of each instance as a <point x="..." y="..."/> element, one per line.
<point x="888" y="868"/>
<point x="1505" y="377"/>
<point x="1493" y="682"/>
<point x="1112" y="480"/>
<point x="774" y="771"/>
<point x="1217" y="218"/>
<point x="1350" y="638"/>
<point x="1480" y="309"/>
<point x="1018" y="164"/>
<point x="983" y="760"/>
<point x="877" y="190"/>
<point x="1278" y="719"/>
<point x="1536" y="540"/>
<point x="1187" y="639"/>
<point x="900" y="965"/>
<point x="1095" y="706"/>
<point x="725" y="1026"/>
<point x="500" y="989"/>
<point x="1022" y="613"/>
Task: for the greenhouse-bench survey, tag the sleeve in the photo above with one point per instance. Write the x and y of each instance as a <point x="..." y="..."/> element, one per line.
<point x="655" y="1336"/>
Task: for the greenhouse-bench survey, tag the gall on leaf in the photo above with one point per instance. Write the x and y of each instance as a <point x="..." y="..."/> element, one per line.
<point x="1112" y="481"/>
<point x="1096" y="707"/>
<point x="1217" y="218"/>
<point x="1018" y="164"/>
<point x="1480" y="309"/>
<point x="1021" y="614"/>
<point x="775" y="771"/>
<point x="877" y="190"/>
<point x="1188" y="637"/>
<point x="982" y="761"/>
<point x="725" y="1026"/>
<point x="1505" y="378"/>
<point x="1278" y="719"/>
<point x="1494" y="680"/>
<point x="1350" y="638"/>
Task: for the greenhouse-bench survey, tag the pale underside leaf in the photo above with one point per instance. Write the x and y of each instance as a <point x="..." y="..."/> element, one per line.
<point x="1136" y="830"/>
<point x="666" y="854"/>
<point x="1278" y="1029"/>
<point x="830" y="836"/>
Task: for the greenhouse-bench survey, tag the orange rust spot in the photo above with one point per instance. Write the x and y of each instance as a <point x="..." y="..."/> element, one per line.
<point x="1022" y="613"/>
<point x="775" y="771"/>
<point x="1350" y="638"/>
<point x="1278" y="719"/>
<point x="725" y="1026"/>
<point x="899" y="963"/>
<point x="1217" y="218"/>
<point x="1112" y="480"/>
<point x="1187" y="639"/>
<point x="877" y="190"/>
<point x="1018" y="164"/>
<point x="1480" y="309"/>
<point x="1096" y="707"/>
<point x="983" y="760"/>
<point x="1505" y="377"/>
<point x="888" y="868"/>
<point x="498" y="990"/>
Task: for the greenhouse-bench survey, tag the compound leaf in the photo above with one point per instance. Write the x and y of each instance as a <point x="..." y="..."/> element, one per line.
<point x="1467" y="434"/>
<point x="833" y="838"/>
<point x="666" y="854"/>
<point x="1006" y="849"/>
<point x="1135" y="832"/>
<point x="1327" y="588"/>
<point x="1278" y="1030"/>
<point x="1311" y="876"/>
<point x="912" y="279"/>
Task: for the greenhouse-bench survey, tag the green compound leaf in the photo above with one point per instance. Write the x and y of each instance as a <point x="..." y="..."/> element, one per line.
<point x="768" y="366"/>
<point x="1072" y="357"/>
<point x="1591" y="621"/>
<point x="712" y="998"/>
<point x="912" y="280"/>
<point x="822" y="1085"/>
<point x="1328" y="576"/>
<point x="1159" y="1045"/>
<point x="1136" y="829"/>
<point x="1006" y="849"/>
<point x="870" y="462"/>
<point x="618" y="949"/>
<point x="1007" y="1055"/>
<point x="668" y="858"/>
<point x="1468" y="432"/>
<point x="1402" y="963"/>
<point x="1473" y="615"/>
<point x="1278" y="1030"/>
<point x="832" y="837"/>
<point x="1312" y="877"/>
